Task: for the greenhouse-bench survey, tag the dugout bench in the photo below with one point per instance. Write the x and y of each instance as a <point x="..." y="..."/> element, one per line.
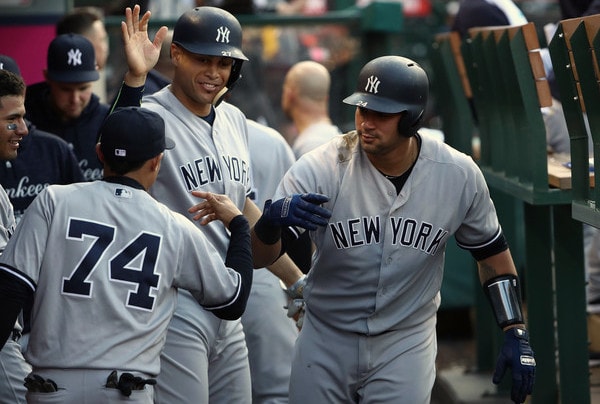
<point x="505" y="72"/>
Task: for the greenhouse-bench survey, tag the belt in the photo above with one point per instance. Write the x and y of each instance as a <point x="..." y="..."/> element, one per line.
<point x="16" y="335"/>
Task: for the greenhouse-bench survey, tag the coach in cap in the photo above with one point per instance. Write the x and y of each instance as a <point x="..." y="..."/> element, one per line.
<point x="64" y="103"/>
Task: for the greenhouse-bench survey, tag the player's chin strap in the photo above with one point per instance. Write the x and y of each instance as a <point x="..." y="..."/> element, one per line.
<point x="219" y="97"/>
<point x="504" y="295"/>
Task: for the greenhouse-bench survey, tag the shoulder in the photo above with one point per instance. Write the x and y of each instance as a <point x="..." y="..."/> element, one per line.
<point x="260" y="133"/>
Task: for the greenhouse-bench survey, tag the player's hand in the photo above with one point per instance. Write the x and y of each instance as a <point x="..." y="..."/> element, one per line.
<point x="214" y="207"/>
<point x="295" y="305"/>
<point x="140" y="52"/>
<point x="301" y="210"/>
<point x="517" y="355"/>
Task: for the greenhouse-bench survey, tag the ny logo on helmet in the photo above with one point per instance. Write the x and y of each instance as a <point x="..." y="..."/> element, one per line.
<point x="222" y="34"/>
<point x="74" y="57"/>
<point x="372" y="85"/>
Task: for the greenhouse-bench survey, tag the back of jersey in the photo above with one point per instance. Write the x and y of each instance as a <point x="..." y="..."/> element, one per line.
<point x="106" y="257"/>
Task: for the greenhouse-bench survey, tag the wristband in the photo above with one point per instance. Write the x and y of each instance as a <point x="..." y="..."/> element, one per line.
<point x="267" y="233"/>
<point x="503" y="294"/>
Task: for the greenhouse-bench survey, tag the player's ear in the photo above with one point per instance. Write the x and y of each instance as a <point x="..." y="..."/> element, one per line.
<point x="99" y="153"/>
<point x="155" y="162"/>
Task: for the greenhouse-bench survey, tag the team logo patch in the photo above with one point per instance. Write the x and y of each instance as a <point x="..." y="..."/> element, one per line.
<point x="120" y="152"/>
<point x="74" y="56"/>
<point x="222" y="34"/>
<point x="123" y="193"/>
<point x="372" y="85"/>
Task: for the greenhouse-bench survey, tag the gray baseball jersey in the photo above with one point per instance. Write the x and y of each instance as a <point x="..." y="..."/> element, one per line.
<point x="379" y="262"/>
<point x="214" y="159"/>
<point x="269" y="353"/>
<point x="12" y="362"/>
<point x="374" y="286"/>
<point x="313" y="136"/>
<point x="113" y="275"/>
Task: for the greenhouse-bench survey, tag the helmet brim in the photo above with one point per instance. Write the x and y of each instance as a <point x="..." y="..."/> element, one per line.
<point x="375" y="103"/>
<point x="214" y="50"/>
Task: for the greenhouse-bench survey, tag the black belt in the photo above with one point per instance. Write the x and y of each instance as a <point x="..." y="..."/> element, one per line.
<point x="16" y="335"/>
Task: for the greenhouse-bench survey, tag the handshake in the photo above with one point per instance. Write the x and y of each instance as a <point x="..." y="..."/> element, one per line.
<point x="298" y="210"/>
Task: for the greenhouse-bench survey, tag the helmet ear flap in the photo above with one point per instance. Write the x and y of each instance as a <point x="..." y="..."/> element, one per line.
<point x="407" y="127"/>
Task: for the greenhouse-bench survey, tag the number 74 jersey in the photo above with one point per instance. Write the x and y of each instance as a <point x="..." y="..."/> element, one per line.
<point x="105" y="260"/>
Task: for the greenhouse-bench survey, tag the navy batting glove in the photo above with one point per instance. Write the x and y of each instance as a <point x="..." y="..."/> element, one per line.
<point x="300" y="210"/>
<point x="517" y="355"/>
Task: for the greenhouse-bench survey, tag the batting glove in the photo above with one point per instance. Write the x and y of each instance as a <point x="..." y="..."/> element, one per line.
<point x="295" y="306"/>
<point x="301" y="210"/>
<point x="517" y="355"/>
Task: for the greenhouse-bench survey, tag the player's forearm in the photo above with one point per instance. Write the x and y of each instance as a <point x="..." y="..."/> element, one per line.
<point x="13" y="295"/>
<point x="501" y="285"/>
<point x="128" y="96"/>
<point x="239" y="258"/>
<point x="286" y="270"/>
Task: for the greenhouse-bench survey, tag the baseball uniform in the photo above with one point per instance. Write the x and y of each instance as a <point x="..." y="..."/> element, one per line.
<point x="112" y="259"/>
<point x="211" y="158"/>
<point x="13" y="367"/>
<point x="374" y="287"/>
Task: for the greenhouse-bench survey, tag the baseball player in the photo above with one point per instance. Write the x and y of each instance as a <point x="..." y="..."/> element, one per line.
<point x="204" y="358"/>
<point x="372" y="293"/>
<point x="13" y="128"/>
<point x="103" y="261"/>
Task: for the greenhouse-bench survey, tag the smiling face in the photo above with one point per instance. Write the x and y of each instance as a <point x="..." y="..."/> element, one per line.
<point x="12" y="125"/>
<point x="198" y="78"/>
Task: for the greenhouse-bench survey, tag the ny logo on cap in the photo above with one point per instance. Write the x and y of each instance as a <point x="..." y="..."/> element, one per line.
<point x="74" y="57"/>
<point x="222" y="34"/>
<point x="372" y="85"/>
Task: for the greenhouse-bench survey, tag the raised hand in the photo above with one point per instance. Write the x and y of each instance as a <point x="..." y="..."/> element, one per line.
<point x="140" y="52"/>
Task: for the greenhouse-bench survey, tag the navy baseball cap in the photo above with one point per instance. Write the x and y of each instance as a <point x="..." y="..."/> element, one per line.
<point x="71" y="59"/>
<point x="133" y="134"/>
<point x="9" y="64"/>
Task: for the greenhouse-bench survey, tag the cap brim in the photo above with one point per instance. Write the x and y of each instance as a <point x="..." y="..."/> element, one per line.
<point x="74" y="77"/>
<point x="169" y="143"/>
<point x="374" y="103"/>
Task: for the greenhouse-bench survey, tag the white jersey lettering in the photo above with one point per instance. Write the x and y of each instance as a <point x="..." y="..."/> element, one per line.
<point x="24" y="189"/>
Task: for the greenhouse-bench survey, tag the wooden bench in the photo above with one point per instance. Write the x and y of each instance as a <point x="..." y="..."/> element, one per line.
<point x="509" y="86"/>
<point x="574" y="52"/>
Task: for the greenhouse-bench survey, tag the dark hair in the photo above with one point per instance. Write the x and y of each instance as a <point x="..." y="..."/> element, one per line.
<point x="11" y="84"/>
<point x="122" y="167"/>
<point x="79" y="20"/>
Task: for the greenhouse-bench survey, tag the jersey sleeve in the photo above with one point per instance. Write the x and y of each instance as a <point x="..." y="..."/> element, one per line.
<point x="480" y="227"/>
<point x="25" y="252"/>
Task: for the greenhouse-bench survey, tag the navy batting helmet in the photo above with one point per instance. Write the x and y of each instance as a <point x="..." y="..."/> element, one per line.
<point x="393" y="84"/>
<point x="211" y="31"/>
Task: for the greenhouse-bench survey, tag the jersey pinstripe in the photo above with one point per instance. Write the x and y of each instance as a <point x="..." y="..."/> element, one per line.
<point x="384" y="258"/>
<point x="112" y="274"/>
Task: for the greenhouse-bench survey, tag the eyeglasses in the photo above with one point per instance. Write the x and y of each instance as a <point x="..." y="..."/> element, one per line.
<point x="11" y="126"/>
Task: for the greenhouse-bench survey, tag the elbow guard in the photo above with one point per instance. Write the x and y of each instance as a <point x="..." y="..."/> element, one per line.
<point x="504" y="295"/>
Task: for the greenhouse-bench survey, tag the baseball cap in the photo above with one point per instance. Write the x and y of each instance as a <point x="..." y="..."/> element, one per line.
<point x="9" y="64"/>
<point x="133" y="134"/>
<point x="71" y="59"/>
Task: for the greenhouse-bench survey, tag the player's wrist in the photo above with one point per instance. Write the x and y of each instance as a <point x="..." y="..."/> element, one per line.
<point x="267" y="232"/>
